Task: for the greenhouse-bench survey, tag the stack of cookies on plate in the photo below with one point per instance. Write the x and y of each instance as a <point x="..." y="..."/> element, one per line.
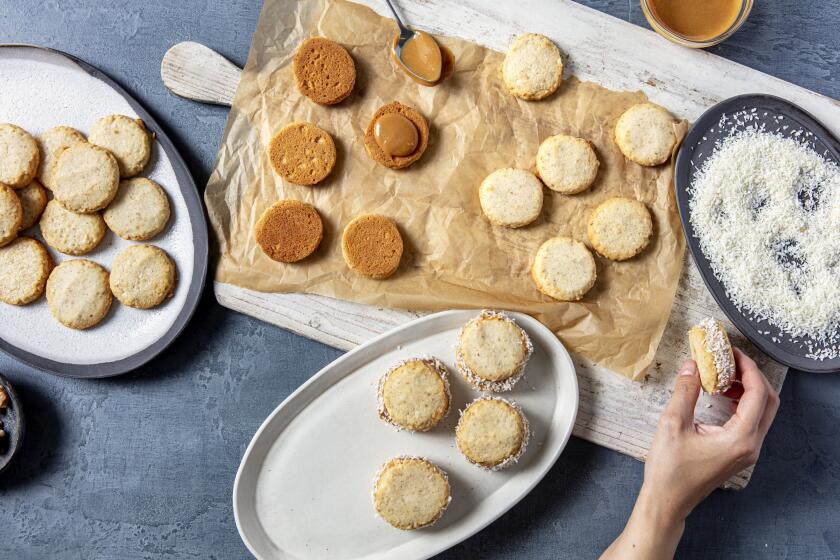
<point x="492" y="432"/>
<point x="94" y="187"/>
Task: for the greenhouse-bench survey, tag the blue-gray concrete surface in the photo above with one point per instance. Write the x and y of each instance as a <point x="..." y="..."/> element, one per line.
<point x="142" y="466"/>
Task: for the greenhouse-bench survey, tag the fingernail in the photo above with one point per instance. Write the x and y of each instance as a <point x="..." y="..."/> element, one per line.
<point x="688" y="368"/>
<point x="687" y="372"/>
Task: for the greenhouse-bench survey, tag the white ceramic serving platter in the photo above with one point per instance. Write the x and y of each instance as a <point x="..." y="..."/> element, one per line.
<point x="303" y="489"/>
<point x="45" y="88"/>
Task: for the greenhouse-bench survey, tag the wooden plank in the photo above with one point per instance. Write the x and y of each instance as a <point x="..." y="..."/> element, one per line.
<point x="614" y="411"/>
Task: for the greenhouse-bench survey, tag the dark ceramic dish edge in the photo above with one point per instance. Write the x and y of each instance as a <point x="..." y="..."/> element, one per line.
<point x="14" y="434"/>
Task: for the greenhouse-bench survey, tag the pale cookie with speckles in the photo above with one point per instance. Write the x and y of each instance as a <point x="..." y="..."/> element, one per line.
<point x="492" y="433"/>
<point x="24" y="268"/>
<point x="620" y="228"/>
<point x="492" y="352"/>
<point x="33" y="200"/>
<point x="511" y="197"/>
<point x="19" y="156"/>
<point x="126" y="138"/>
<point x="410" y="493"/>
<point x="414" y="394"/>
<point x="51" y="142"/>
<point x="533" y="67"/>
<point x="142" y="276"/>
<point x="646" y="134"/>
<point x="70" y="232"/>
<point x="564" y="269"/>
<point x="711" y="349"/>
<point x="567" y="164"/>
<point x="11" y="214"/>
<point x="86" y="178"/>
<point x="140" y="210"/>
<point x="78" y="293"/>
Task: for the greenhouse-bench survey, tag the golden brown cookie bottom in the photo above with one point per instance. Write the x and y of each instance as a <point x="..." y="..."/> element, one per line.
<point x="289" y="231"/>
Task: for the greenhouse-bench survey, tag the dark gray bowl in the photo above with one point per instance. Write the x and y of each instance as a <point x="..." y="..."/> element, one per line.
<point x="696" y="147"/>
<point x="13" y="424"/>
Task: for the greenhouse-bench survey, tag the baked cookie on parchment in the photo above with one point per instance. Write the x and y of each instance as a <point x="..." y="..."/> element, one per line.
<point x="127" y="139"/>
<point x="33" y="200"/>
<point x="289" y="231"/>
<point x="492" y="352"/>
<point x="511" y="197"/>
<point x="533" y="67"/>
<point x="492" y="433"/>
<point x="24" y="268"/>
<point x="78" y="293"/>
<point x="70" y="232"/>
<point x="414" y="394"/>
<point x="711" y="349"/>
<point x="86" y="178"/>
<point x="302" y="153"/>
<point x="620" y="228"/>
<point x="410" y="492"/>
<point x="51" y="142"/>
<point x="140" y="210"/>
<point x="11" y="214"/>
<point x="376" y="152"/>
<point x="564" y="269"/>
<point x="372" y="246"/>
<point x="645" y="134"/>
<point x="142" y="276"/>
<point x="567" y="164"/>
<point x="19" y="156"/>
<point x="324" y="71"/>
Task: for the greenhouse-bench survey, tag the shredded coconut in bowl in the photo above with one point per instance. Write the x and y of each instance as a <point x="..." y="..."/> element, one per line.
<point x="765" y="208"/>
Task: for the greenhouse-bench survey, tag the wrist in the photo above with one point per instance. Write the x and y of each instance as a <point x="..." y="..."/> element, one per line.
<point x="656" y="523"/>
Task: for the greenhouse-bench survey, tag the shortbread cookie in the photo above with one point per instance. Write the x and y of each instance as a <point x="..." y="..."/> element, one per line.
<point x="19" y="156"/>
<point x="712" y="351"/>
<point x="492" y="433"/>
<point x="414" y="394"/>
<point x="492" y="352"/>
<point x="324" y="71"/>
<point x="33" y="200"/>
<point x="70" y="232"/>
<point x="533" y="67"/>
<point x="140" y="210"/>
<point x="302" y="153"/>
<point x="376" y="152"/>
<point x="86" y="178"/>
<point x="289" y="231"/>
<point x="620" y="228"/>
<point x="372" y="246"/>
<point x="410" y="492"/>
<point x="126" y="138"/>
<point x="142" y="276"/>
<point x="645" y="134"/>
<point x="78" y="293"/>
<point x="511" y="197"/>
<point x="564" y="269"/>
<point x="24" y="268"/>
<point x="567" y="164"/>
<point x="51" y="142"/>
<point x="11" y="214"/>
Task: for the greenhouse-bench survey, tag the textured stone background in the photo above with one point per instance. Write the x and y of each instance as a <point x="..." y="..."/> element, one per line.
<point x="143" y="466"/>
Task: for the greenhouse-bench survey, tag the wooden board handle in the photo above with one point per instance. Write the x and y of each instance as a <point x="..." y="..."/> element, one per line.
<point x="197" y="72"/>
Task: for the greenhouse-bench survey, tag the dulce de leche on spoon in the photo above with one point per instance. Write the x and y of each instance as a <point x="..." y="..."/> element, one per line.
<point x="419" y="54"/>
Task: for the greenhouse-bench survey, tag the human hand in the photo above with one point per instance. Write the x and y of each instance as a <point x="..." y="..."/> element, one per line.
<point x="687" y="460"/>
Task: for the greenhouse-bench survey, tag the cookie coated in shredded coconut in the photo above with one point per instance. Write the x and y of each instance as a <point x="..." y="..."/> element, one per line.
<point x="416" y="458"/>
<point x="439" y="368"/>
<point x="484" y="384"/>
<point x="718" y="346"/>
<point x="526" y="436"/>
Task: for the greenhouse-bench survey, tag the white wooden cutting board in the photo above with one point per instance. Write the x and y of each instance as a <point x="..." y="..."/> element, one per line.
<point x="614" y="412"/>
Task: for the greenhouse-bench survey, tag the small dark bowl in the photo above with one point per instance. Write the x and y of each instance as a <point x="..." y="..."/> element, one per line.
<point x="13" y="425"/>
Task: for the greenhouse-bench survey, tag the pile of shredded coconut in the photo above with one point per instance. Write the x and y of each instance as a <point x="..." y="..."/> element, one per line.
<point x="766" y="211"/>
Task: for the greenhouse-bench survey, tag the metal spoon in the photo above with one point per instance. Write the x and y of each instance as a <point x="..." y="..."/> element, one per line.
<point x="406" y="34"/>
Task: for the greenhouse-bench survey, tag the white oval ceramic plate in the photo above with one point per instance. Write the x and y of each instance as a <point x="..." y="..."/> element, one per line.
<point x="303" y="489"/>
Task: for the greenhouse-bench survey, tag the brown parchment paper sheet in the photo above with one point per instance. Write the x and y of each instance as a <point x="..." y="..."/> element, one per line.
<point x="454" y="258"/>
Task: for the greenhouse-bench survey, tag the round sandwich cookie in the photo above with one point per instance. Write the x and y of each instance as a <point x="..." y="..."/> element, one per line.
<point x="78" y="293"/>
<point x="396" y="136"/>
<point x="70" y="232"/>
<point x="11" y="214"/>
<point x="533" y="67"/>
<point x="289" y="231"/>
<point x="511" y="197"/>
<point x="711" y="349"/>
<point x="302" y="153"/>
<point x="372" y="246"/>
<point x="142" y="276"/>
<point x="324" y="71"/>
<point x="410" y="492"/>
<point x="51" y="142"/>
<point x="126" y="138"/>
<point x="25" y="266"/>
<point x="492" y="433"/>
<point x="414" y="394"/>
<point x="86" y="178"/>
<point x="567" y="164"/>
<point x="19" y="156"/>
<point x="645" y="134"/>
<point x="564" y="269"/>
<point x="140" y="210"/>
<point x="492" y="352"/>
<point x="33" y="200"/>
<point x="620" y="228"/>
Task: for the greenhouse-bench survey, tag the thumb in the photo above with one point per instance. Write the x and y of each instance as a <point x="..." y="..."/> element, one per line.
<point x="686" y="392"/>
